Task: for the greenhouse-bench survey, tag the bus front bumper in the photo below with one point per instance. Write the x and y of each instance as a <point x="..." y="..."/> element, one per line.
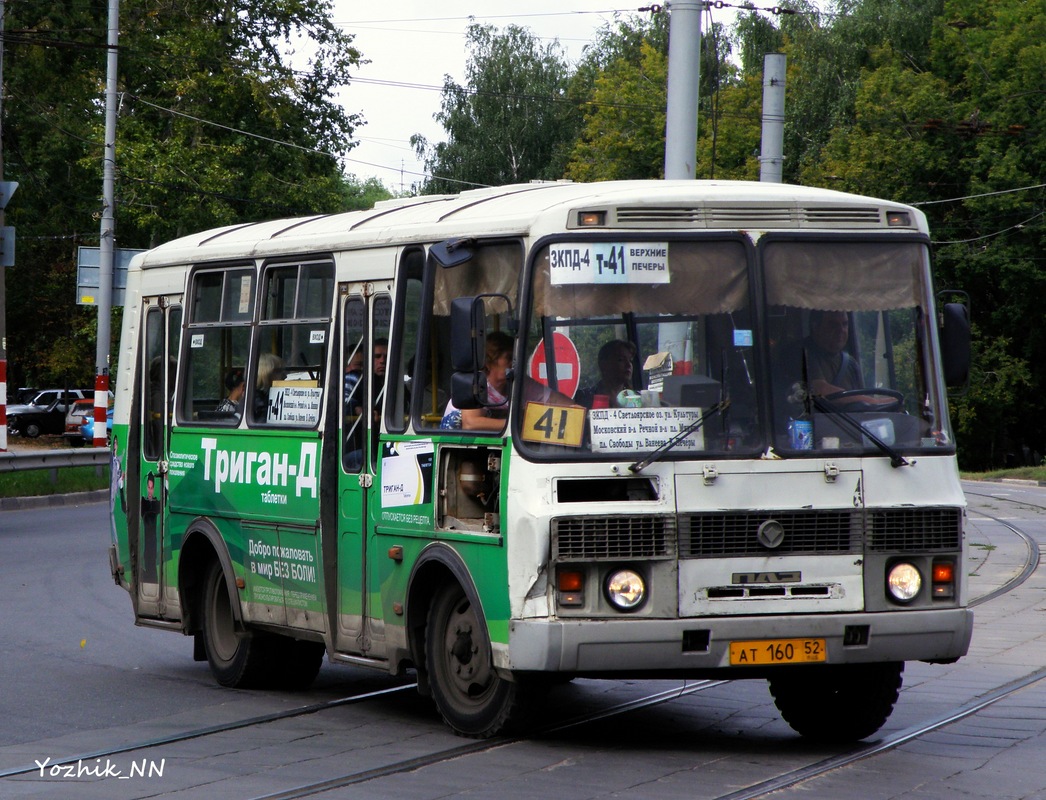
<point x="702" y="644"/>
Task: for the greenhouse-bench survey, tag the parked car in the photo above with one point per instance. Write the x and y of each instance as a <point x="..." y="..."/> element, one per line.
<point x="87" y="429"/>
<point x="79" y="412"/>
<point x="45" y="413"/>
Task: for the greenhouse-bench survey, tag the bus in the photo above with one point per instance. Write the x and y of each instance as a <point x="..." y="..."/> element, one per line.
<point x="766" y="488"/>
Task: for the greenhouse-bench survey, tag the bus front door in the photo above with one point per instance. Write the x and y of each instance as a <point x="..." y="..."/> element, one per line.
<point x="163" y="320"/>
<point x="364" y="343"/>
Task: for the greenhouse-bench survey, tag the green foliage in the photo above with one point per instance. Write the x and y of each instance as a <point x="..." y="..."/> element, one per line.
<point x="986" y="417"/>
<point x="509" y="122"/>
<point x="623" y="135"/>
<point x="200" y="85"/>
<point x="358" y="196"/>
<point x="622" y="86"/>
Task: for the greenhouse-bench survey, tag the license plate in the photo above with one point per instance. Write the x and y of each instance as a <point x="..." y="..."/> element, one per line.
<point x="777" y="651"/>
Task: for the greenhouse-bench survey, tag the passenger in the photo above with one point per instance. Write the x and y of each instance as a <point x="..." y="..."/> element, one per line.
<point x="233" y="402"/>
<point x="498" y="363"/>
<point x="270" y="368"/>
<point x="353" y="374"/>
<point x="380" y="365"/>
<point x="616" y="360"/>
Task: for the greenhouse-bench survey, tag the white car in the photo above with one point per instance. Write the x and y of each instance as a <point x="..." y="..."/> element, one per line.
<point x="45" y="413"/>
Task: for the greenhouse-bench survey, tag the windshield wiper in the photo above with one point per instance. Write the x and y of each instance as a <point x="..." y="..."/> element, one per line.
<point x="896" y="459"/>
<point x="719" y="407"/>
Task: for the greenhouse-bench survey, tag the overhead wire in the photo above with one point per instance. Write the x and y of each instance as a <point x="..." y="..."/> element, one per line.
<point x="717" y="114"/>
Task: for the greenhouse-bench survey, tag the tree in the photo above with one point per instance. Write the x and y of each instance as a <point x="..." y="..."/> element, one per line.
<point x="216" y="126"/>
<point x="361" y="196"/>
<point x="622" y="85"/>
<point x="219" y="125"/>
<point x="510" y="120"/>
<point x="624" y="131"/>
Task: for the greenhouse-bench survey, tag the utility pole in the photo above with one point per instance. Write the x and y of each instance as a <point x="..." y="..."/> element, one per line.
<point x="684" y="77"/>
<point x="3" y="278"/>
<point x="771" y="159"/>
<point x="107" y="243"/>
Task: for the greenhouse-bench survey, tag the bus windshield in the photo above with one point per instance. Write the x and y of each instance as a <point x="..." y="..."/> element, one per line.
<point x="835" y="353"/>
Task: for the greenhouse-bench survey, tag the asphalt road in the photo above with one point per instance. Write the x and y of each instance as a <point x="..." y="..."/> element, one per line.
<point x="77" y="678"/>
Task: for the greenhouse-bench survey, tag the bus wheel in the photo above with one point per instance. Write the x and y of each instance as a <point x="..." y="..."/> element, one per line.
<point x="473" y="699"/>
<point x="237" y="659"/>
<point x="846" y="702"/>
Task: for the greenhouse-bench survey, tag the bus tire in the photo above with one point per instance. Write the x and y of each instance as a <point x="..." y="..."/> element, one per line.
<point x="237" y="659"/>
<point x="845" y="702"/>
<point x="472" y="698"/>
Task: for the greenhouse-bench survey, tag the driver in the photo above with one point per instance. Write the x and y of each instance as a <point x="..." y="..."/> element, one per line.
<point x="830" y="369"/>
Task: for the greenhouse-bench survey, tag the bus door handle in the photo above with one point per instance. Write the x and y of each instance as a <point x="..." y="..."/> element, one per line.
<point x="366" y="480"/>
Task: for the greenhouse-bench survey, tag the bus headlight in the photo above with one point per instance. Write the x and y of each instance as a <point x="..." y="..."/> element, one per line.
<point x="625" y="589"/>
<point x="903" y="582"/>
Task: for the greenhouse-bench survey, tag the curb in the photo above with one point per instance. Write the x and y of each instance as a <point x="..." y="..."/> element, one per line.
<point x="52" y="500"/>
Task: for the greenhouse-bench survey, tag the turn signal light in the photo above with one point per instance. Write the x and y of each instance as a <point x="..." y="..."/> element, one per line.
<point x="571" y="586"/>
<point x="943" y="580"/>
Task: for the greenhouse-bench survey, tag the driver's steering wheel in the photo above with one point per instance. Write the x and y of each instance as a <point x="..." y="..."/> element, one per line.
<point x="838" y="400"/>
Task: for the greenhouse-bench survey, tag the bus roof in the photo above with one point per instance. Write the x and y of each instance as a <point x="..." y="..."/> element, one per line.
<point x="538" y="208"/>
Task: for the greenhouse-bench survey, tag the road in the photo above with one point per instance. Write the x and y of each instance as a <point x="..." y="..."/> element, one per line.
<point x="79" y="681"/>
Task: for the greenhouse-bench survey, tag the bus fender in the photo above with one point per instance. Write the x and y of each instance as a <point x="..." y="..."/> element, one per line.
<point x="201" y="543"/>
<point x="436" y="564"/>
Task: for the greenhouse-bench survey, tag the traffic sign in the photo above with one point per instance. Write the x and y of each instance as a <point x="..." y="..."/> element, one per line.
<point x="567" y="362"/>
<point x="88" y="272"/>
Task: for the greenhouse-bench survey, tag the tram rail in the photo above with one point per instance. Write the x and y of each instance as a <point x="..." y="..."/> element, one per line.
<point x="764" y="787"/>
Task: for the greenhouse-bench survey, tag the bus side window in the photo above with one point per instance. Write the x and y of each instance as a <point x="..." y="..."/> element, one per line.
<point x="354" y="400"/>
<point x="404" y="367"/>
<point x="217" y="347"/>
<point x="294" y="334"/>
<point x="493" y="269"/>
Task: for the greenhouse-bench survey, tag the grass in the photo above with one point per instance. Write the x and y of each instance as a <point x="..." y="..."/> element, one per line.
<point x="1022" y="473"/>
<point x="60" y="481"/>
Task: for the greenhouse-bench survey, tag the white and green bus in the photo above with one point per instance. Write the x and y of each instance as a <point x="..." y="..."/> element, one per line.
<point x="765" y="488"/>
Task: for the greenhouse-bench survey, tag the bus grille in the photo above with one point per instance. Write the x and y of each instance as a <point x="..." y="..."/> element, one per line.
<point x="717" y="534"/>
<point x="716" y="216"/>
<point x="613" y="537"/>
<point x="910" y="529"/>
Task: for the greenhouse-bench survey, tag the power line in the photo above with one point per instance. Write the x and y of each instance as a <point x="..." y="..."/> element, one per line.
<point x="293" y="145"/>
<point x="231" y="129"/>
<point x="975" y="196"/>
<point x="1018" y="226"/>
<point x="483" y="16"/>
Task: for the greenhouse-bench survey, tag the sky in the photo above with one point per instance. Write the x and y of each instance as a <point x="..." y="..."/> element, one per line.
<point x="418" y="43"/>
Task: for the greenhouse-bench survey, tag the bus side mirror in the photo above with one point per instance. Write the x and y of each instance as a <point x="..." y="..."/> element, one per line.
<point x="955" y="345"/>
<point x="468" y="346"/>
<point x="468" y="334"/>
